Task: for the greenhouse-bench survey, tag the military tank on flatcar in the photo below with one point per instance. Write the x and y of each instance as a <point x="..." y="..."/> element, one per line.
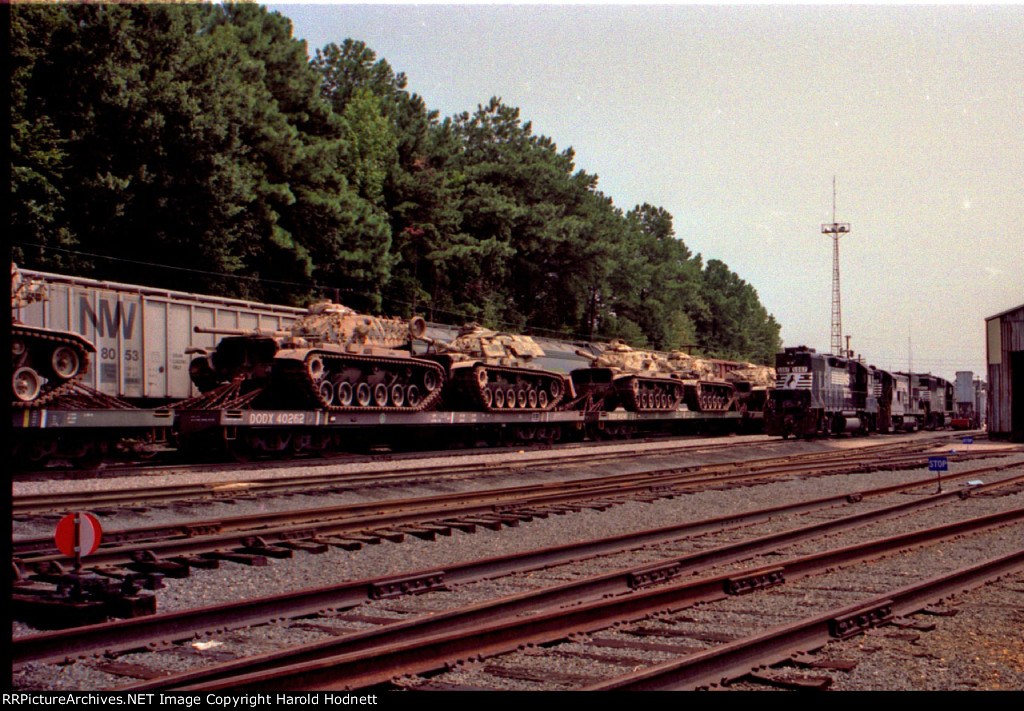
<point x="753" y="384"/>
<point x="703" y="392"/>
<point x="639" y="381"/>
<point x="329" y="358"/>
<point x="44" y="362"/>
<point x="490" y="372"/>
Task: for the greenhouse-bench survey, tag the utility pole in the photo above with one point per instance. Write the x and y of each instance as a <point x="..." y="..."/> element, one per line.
<point x="836" y="229"/>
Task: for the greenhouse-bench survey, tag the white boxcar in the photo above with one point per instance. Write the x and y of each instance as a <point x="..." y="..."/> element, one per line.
<point x="141" y="333"/>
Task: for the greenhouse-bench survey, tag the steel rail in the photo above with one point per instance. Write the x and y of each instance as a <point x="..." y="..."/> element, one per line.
<point x="125" y="635"/>
<point x="734" y="660"/>
<point x="42" y="503"/>
<point x="211" y="535"/>
<point x="67" y="501"/>
<point x="430" y="642"/>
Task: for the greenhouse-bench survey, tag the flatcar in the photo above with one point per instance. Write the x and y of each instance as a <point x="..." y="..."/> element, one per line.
<point x="151" y="391"/>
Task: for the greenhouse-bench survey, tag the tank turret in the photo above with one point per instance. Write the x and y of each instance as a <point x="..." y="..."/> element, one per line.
<point x="45" y="362"/>
<point x="331" y="357"/>
<point x="638" y="380"/>
<point x="493" y="371"/>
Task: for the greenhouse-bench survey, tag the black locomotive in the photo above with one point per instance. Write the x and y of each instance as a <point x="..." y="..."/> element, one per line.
<point x="824" y="394"/>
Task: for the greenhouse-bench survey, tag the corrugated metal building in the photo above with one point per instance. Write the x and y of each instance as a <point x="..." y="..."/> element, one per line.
<point x="1005" y="346"/>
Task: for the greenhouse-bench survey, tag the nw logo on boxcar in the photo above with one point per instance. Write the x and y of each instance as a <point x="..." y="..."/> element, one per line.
<point x="109" y="319"/>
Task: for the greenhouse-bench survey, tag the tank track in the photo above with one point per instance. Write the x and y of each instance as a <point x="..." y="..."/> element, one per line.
<point x="293" y="376"/>
<point x="707" y="396"/>
<point x="500" y="388"/>
<point x="55" y="388"/>
<point x="640" y="394"/>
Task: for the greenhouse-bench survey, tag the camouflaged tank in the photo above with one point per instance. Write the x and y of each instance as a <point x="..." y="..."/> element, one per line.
<point x="330" y="358"/>
<point x="45" y="362"/>
<point x="638" y="380"/>
<point x="490" y="372"/>
<point x="753" y="384"/>
<point x="703" y="392"/>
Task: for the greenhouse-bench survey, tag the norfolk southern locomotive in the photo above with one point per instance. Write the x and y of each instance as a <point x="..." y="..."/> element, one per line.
<point x="824" y="394"/>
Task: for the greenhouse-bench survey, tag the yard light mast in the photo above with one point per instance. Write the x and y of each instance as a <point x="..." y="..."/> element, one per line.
<point x="836" y="229"/>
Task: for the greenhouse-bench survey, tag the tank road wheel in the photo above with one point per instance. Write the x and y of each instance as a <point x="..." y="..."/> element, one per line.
<point x="17" y="347"/>
<point x="555" y="389"/>
<point x="521" y="399"/>
<point x="65" y="363"/>
<point x="345" y="394"/>
<point x="397" y="395"/>
<point x="531" y="397"/>
<point x="510" y="398"/>
<point x="27" y="384"/>
<point x="380" y="394"/>
<point x="487" y="398"/>
<point x="326" y="393"/>
<point x="499" y="398"/>
<point x="315" y="367"/>
<point x="542" y="399"/>
<point x="430" y="381"/>
<point x="363" y="394"/>
<point x="481" y="377"/>
<point x="412" y="396"/>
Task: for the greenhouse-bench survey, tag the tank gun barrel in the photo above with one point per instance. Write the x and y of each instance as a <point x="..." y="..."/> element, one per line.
<point x="439" y="346"/>
<point x="224" y="331"/>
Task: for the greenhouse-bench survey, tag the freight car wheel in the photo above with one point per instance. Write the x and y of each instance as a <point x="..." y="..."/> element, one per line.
<point x="239" y="449"/>
<point x="65" y="363"/>
<point x="27" y="384"/>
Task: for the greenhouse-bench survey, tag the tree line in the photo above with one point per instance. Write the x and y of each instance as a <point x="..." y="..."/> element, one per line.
<point x="204" y="139"/>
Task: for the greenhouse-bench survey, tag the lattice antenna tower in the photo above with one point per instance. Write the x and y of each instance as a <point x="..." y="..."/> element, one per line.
<point x="836" y="229"/>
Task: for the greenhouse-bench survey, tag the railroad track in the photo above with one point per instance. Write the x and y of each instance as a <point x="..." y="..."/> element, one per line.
<point x="119" y="637"/>
<point x="172" y="548"/>
<point x="134" y="496"/>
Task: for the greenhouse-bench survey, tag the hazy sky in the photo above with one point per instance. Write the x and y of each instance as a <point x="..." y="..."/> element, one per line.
<point x="736" y="118"/>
